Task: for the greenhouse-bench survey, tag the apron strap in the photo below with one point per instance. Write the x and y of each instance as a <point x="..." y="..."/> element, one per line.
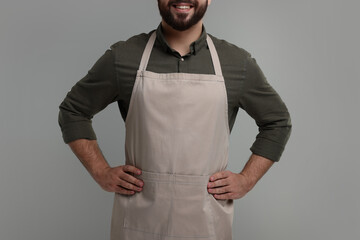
<point x="146" y="54"/>
<point x="214" y="56"/>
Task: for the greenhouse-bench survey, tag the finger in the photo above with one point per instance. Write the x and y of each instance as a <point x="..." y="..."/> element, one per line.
<point x="220" y="190"/>
<point x="223" y="196"/>
<point x="218" y="183"/>
<point x="129" y="186"/>
<point x="219" y="175"/>
<point x="131" y="179"/>
<point x="131" y="169"/>
<point x="123" y="191"/>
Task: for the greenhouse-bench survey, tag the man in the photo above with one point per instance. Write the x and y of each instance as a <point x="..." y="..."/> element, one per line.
<point x="178" y="91"/>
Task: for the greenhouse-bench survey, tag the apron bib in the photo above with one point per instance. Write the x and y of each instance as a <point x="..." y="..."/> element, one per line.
<point x="177" y="133"/>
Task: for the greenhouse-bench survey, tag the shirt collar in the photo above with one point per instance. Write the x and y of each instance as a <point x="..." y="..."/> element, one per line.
<point x="194" y="47"/>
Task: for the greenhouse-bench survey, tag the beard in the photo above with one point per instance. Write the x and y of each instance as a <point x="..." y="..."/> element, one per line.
<point x="181" y="21"/>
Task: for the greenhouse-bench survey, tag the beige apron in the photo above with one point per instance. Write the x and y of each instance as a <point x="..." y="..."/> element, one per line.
<point x="177" y="132"/>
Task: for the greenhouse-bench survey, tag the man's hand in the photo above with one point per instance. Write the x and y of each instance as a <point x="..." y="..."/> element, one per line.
<point x="228" y="185"/>
<point x="120" y="179"/>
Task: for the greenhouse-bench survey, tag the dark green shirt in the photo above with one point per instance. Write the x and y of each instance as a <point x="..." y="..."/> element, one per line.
<point x="113" y="75"/>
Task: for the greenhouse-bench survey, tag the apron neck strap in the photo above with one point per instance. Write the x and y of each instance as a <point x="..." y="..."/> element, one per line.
<point x="214" y="56"/>
<point x="146" y="54"/>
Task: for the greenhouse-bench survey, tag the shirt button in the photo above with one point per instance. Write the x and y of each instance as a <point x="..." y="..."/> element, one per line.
<point x="182" y="59"/>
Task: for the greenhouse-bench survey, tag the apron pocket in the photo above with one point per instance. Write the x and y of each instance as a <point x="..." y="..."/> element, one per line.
<point x="191" y="214"/>
<point x="171" y="205"/>
<point x="148" y="210"/>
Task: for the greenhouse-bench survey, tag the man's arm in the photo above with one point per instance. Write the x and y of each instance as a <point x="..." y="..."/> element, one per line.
<point x="96" y="90"/>
<point x="260" y="100"/>
<point x="117" y="179"/>
<point x="265" y="106"/>
<point x="229" y="185"/>
<point x="90" y="95"/>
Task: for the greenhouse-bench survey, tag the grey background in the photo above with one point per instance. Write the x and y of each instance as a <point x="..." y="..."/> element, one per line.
<point x="307" y="49"/>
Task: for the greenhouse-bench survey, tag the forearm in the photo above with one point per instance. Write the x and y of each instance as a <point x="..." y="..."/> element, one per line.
<point x="118" y="179"/>
<point x="89" y="153"/>
<point x="255" y="168"/>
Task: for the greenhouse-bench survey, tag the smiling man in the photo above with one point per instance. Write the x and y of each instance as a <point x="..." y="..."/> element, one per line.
<point x="179" y="91"/>
<point x="182" y="15"/>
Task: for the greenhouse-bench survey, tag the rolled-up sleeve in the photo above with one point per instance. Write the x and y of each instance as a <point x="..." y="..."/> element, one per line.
<point x="266" y="107"/>
<point x="90" y="95"/>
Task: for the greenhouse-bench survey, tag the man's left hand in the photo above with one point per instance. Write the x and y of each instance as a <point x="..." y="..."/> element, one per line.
<point x="228" y="185"/>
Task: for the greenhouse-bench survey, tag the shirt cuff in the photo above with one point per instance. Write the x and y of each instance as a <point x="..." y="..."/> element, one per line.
<point x="267" y="149"/>
<point x="78" y="130"/>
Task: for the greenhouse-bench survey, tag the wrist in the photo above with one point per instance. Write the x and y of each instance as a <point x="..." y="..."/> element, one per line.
<point x="98" y="172"/>
<point x="249" y="181"/>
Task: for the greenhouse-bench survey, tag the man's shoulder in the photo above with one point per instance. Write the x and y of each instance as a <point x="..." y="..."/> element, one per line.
<point x="230" y="50"/>
<point x="135" y="42"/>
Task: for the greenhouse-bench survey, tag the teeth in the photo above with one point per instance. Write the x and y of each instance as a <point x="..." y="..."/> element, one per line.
<point x="183" y="7"/>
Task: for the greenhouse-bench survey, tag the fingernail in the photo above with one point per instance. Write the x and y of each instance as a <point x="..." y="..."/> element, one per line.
<point x="138" y="172"/>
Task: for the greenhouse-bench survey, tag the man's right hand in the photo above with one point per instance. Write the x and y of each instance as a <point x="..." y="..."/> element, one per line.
<point x="120" y="179"/>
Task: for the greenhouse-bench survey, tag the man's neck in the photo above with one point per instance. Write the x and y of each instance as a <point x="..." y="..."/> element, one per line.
<point x="181" y="40"/>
